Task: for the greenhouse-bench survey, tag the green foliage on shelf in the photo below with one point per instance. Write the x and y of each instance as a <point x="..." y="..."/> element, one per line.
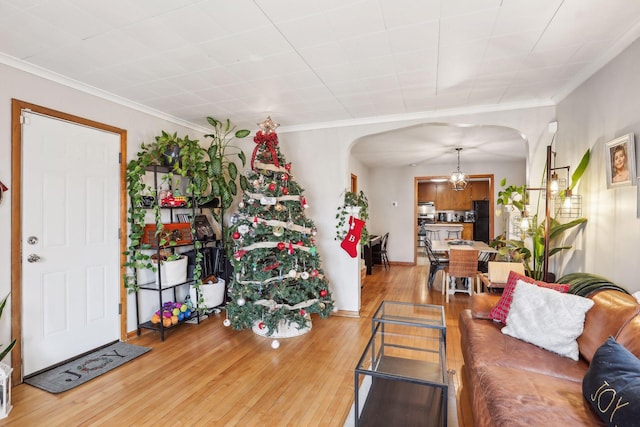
<point x="511" y="195"/>
<point x="190" y="166"/>
<point x="352" y="200"/>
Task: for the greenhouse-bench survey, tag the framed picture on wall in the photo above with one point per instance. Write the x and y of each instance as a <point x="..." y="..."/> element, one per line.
<point x="620" y="155"/>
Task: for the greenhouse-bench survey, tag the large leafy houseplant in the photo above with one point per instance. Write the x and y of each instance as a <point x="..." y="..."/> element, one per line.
<point x="190" y="166"/>
<point x="532" y="252"/>
<point x="221" y="168"/>
<point x="352" y="200"/>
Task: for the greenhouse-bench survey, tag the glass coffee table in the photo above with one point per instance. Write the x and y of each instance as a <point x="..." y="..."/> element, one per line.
<point x="401" y="377"/>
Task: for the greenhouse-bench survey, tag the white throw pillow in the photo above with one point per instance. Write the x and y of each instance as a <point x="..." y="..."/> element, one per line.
<point x="547" y="318"/>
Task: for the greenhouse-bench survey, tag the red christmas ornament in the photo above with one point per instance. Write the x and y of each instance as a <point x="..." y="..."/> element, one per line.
<point x="280" y="246"/>
<point x="290" y="248"/>
<point x="323" y="293"/>
<point x="302" y="312"/>
<point x="239" y="254"/>
<point x="261" y="325"/>
<point x="284" y="177"/>
<point x="300" y="243"/>
<point x="236" y="235"/>
<point x="314" y="273"/>
<point x="272" y="187"/>
<point x="288" y="166"/>
<point x="285" y="191"/>
<point x="303" y="202"/>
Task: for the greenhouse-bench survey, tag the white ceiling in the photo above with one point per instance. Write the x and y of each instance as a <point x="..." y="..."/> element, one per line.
<point x="317" y="63"/>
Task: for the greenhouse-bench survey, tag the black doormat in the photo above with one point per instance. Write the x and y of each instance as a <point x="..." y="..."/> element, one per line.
<point x="85" y="368"/>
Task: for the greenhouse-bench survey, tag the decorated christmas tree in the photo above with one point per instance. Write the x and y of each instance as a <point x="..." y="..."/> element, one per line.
<point x="277" y="280"/>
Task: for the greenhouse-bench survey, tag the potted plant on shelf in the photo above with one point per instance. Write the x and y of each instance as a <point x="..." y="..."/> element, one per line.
<point x="191" y="164"/>
<point x="357" y="205"/>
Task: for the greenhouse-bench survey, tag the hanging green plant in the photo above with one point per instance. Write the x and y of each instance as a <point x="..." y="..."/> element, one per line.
<point x="188" y="164"/>
<point x="352" y="200"/>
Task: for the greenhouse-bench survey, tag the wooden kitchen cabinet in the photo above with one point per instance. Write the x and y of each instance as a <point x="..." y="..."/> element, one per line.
<point x="480" y="190"/>
<point x="427" y="192"/>
<point x="467" y="231"/>
<point x="462" y="199"/>
<point x="447" y="199"/>
<point x="443" y="201"/>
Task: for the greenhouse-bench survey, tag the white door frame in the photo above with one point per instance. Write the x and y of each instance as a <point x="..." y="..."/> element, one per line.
<point x="16" y="220"/>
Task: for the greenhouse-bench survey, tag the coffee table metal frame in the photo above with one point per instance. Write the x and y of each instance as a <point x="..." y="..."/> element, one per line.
<point x="399" y="350"/>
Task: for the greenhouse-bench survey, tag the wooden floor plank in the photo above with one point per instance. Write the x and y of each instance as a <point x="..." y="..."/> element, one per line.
<point x="208" y="374"/>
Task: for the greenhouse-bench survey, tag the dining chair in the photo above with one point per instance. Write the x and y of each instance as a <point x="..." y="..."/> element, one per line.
<point x="483" y="260"/>
<point x="383" y="250"/>
<point x="498" y="273"/>
<point x="437" y="262"/>
<point x="463" y="263"/>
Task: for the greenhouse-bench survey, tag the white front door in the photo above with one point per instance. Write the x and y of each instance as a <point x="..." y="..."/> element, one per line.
<point x="70" y="246"/>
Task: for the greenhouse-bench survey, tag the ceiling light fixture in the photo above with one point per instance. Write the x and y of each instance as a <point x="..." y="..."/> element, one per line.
<point x="459" y="180"/>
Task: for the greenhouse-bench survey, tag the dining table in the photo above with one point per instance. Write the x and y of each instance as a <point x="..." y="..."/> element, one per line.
<point x="485" y="252"/>
<point x="367" y="251"/>
<point x="445" y="245"/>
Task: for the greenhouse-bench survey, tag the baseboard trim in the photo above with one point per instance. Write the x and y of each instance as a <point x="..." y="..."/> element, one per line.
<point x="347" y="313"/>
<point x="402" y="263"/>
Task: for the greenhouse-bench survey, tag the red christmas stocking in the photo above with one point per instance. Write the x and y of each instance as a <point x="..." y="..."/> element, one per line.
<point x="352" y="238"/>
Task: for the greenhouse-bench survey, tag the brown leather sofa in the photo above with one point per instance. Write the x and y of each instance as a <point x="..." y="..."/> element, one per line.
<point x="513" y="383"/>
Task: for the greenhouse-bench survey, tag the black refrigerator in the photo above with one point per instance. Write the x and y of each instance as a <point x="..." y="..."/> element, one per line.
<point x="481" y="225"/>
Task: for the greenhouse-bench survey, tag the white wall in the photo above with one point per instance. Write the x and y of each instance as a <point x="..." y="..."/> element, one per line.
<point x="603" y="108"/>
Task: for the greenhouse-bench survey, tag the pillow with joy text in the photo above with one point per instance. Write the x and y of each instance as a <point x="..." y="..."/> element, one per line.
<point x="500" y="311"/>
<point x="612" y="385"/>
<point x="547" y="318"/>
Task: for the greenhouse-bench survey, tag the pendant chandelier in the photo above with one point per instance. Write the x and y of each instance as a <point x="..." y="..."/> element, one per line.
<point x="458" y="180"/>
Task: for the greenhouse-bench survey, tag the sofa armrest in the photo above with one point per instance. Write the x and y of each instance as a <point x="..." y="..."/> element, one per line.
<point x="482" y="303"/>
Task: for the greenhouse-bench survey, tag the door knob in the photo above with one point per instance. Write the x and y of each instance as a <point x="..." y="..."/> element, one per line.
<point x="33" y="258"/>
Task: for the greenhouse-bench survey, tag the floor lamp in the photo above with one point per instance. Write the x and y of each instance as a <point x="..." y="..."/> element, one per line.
<point x="547" y="212"/>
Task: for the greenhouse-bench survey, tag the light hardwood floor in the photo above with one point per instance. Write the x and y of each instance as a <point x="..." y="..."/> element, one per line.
<point x="209" y="375"/>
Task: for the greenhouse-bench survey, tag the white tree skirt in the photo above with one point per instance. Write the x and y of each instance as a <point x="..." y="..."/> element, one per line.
<point x="284" y="330"/>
